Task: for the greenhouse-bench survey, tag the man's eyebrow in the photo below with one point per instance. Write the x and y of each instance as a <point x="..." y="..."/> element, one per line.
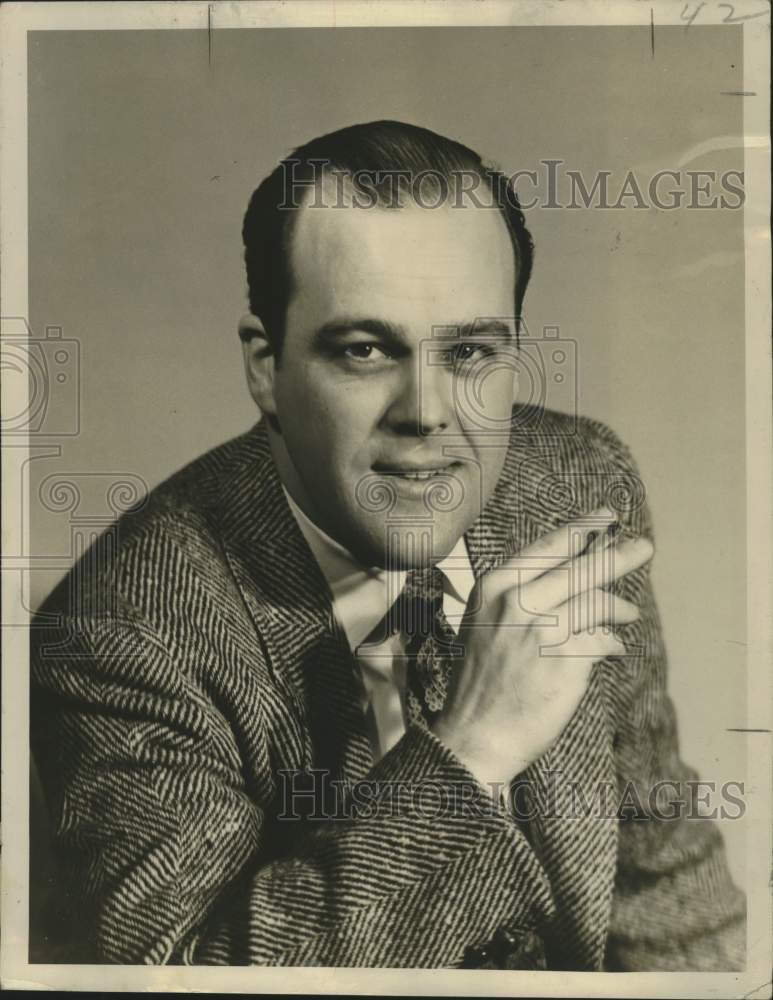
<point x="480" y="327"/>
<point x="364" y="324"/>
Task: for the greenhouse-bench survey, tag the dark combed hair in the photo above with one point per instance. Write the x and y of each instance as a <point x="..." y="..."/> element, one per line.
<point x="376" y="152"/>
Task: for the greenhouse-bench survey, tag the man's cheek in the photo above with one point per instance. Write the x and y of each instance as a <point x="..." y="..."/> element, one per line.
<point x="499" y="387"/>
<point x="483" y="388"/>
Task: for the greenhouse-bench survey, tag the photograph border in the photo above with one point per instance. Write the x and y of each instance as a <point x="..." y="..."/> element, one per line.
<point x="16" y="20"/>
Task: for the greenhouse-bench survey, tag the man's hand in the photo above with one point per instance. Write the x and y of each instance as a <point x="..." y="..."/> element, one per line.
<point x="535" y="627"/>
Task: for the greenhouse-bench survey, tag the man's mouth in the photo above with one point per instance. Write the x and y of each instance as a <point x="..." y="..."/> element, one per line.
<point x="417" y="473"/>
<point x="424" y="474"/>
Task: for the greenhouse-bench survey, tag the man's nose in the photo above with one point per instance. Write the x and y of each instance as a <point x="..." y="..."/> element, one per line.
<point x="424" y="401"/>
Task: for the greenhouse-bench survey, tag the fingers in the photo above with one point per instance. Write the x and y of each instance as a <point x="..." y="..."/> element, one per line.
<point x="587" y="646"/>
<point x="597" y="569"/>
<point x="548" y="552"/>
<point x="595" y="608"/>
<point x="600" y="644"/>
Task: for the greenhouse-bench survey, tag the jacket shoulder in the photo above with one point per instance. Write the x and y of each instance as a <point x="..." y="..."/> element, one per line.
<point x="141" y="553"/>
<point x="197" y="485"/>
<point x="575" y="464"/>
<point x="566" y="440"/>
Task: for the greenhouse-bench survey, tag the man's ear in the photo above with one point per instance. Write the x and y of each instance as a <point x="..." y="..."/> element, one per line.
<point x="259" y="362"/>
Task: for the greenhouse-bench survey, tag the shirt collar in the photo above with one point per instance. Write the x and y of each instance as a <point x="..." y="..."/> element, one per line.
<point x="362" y="595"/>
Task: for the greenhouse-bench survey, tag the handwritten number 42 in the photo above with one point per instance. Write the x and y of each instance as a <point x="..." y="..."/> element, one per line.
<point x="730" y="18"/>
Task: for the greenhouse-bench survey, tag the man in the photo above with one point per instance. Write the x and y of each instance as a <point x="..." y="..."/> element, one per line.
<point x="346" y="690"/>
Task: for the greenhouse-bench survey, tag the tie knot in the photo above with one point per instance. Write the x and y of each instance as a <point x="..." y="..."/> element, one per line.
<point x="415" y="611"/>
<point x="415" y="608"/>
<point x="424" y="584"/>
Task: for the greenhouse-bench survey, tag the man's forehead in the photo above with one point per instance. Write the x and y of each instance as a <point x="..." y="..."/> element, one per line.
<point x="411" y="243"/>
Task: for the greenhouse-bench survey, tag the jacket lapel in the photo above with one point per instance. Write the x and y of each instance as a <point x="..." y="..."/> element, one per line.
<point x="578" y="850"/>
<point x="291" y="604"/>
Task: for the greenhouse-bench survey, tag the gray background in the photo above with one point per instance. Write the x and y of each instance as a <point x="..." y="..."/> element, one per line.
<point x="143" y="154"/>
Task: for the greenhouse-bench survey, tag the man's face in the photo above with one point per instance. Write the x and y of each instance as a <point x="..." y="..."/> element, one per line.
<point x="396" y="379"/>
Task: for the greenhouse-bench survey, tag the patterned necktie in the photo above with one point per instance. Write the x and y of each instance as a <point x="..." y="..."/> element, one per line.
<point x="432" y="647"/>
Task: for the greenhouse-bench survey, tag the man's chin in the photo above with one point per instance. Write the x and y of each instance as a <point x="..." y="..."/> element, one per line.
<point x="413" y="546"/>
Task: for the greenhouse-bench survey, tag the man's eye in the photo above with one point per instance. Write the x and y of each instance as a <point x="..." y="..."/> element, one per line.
<point x="472" y="351"/>
<point x="364" y="352"/>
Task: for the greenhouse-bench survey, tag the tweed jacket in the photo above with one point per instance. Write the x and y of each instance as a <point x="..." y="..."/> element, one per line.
<point x="191" y="661"/>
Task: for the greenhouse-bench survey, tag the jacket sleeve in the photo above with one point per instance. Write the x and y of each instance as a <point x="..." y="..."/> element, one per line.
<point x="675" y="905"/>
<point x="167" y="848"/>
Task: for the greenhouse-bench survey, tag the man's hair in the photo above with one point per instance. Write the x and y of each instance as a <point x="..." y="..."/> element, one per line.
<point x="387" y="161"/>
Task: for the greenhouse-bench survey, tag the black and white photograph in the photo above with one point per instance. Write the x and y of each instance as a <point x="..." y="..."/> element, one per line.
<point x="386" y="444"/>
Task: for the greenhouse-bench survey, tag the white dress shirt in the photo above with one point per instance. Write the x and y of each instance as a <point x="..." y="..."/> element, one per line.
<point x="361" y="598"/>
